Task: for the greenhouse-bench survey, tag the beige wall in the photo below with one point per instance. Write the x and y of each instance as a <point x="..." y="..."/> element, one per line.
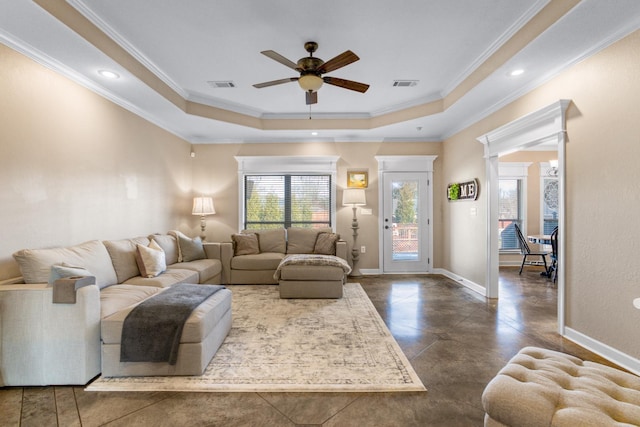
<point x="216" y="174"/>
<point x="76" y="167"/>
<point x="464" y="234"/>
<point x="602" y="277"/>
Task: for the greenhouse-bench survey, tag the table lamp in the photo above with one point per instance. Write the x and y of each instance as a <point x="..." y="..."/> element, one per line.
<point x="203" y="206"/>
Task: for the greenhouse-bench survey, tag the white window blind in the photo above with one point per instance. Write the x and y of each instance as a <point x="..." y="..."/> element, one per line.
<point x="287" y="200"/>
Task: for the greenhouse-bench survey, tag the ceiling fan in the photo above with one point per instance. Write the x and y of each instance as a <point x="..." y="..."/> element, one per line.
<point x="311" y="70"/>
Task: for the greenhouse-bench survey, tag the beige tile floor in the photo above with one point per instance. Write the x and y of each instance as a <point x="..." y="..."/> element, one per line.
<point x="455" y="340"/>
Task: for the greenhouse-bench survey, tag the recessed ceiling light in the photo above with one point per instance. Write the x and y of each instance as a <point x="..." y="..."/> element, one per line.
<point x="109" y="74"/>
<point x="517" y="72"/>
<point x="314" y="133"/>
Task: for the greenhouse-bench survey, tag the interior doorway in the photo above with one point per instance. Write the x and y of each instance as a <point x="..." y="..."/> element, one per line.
<point x="546" y="125"/>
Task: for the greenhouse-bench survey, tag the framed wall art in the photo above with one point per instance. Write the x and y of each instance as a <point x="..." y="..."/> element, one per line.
<point x="357" y="179"/>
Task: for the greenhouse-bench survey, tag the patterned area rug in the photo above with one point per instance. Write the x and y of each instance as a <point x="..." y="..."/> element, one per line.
<point x="294" y="345"/>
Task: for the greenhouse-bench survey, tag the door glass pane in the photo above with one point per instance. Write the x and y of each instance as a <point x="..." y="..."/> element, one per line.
<point x="405" y="220"/>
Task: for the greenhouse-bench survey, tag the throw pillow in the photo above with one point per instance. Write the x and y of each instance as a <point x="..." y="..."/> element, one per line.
<point x="274" y="240"/>
<point x="190" y="249"/>
<point x="151" y="259"/>
<point x="246" y="244"/>
<point x="326" y="244"/>
<point x="169" y="245"/>
<point x="62" y="271"/>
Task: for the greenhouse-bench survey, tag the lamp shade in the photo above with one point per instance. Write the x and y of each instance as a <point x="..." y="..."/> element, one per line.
<point x="203" y="206"/>
<point x="354" y="197"/>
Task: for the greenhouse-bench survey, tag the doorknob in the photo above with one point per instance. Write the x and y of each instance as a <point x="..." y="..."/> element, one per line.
<point x="386" y="227"/>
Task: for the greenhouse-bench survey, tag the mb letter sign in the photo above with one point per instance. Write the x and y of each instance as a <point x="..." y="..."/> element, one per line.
<point x="463" y="190"/>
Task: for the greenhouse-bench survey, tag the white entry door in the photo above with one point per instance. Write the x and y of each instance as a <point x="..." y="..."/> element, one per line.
<point x="405" y="222"/>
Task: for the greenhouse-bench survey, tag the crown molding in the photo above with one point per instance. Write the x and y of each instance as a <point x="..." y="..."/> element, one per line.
<point x="225" y="105"/>
<point x="406" y="105"/>
<point x="58" y="67"/>
<point x="534" y="84"/>
<point x="497" y="44"/>
<point x="81" y="7"/>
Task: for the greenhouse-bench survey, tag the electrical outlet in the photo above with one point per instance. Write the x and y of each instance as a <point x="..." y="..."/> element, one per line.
<point x="363" y="249"/>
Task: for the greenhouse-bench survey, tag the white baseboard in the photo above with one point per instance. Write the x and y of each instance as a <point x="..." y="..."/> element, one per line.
<point x="604" y="350"/>
<point x="370" y="271"/>
<point x="465" y="282"/>
<point x="510" y="263"/>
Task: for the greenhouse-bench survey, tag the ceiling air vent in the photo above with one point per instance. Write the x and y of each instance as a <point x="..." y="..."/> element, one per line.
<point x="221" y="84"/>
<point x="404" y="83"/>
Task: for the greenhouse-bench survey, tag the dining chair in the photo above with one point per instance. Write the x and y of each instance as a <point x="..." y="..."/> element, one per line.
<point x="553" y="269"/>
<point x="526" y="252"/>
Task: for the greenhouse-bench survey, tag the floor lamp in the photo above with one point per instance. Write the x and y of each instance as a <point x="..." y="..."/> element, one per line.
<point x="354" y="197"/>
<point x="203" y="206"/>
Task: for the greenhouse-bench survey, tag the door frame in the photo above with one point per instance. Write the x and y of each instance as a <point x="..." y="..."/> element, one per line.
<point x="422" y="263"/>
<point x="542" y="126"/>
<point x="419" y="164"/>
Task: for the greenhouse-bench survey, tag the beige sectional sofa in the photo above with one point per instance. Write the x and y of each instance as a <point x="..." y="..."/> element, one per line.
<point x="46" y="343"/>
<point x="243" y="263"/>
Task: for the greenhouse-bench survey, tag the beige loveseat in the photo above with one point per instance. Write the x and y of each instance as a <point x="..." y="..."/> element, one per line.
<point x="257" y="265"/>
<point x="46" y="343"/>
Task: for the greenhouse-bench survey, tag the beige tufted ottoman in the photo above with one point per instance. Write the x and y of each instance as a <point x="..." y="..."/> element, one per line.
<point x="541" y="387"/>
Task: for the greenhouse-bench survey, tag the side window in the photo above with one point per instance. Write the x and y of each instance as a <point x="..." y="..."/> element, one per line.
<point x="512" y="202"/>
<point x="510" y="205"/>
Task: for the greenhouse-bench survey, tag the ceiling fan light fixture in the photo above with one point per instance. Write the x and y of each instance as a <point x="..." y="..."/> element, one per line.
<point x="310" y="82"/>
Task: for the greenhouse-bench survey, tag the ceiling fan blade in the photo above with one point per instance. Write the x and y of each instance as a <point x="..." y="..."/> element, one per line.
<point x="347" y="84"/>
<point x="311" y="97"/>
<point x="281" y="59"/>
<point x="275" y="82"/>
<point x="339" y="61"/>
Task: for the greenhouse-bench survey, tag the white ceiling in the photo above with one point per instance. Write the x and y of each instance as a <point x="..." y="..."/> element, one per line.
<point x="439" y="43"/>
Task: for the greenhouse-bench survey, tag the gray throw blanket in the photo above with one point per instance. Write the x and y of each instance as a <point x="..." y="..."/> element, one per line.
<point x="151" y="331"/>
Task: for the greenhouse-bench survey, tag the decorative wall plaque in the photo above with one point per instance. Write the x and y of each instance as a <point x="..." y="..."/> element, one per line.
<point x="467" y="190"/>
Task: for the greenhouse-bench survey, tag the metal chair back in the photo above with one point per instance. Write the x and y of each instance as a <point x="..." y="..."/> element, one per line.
<point x="522" y="242"/>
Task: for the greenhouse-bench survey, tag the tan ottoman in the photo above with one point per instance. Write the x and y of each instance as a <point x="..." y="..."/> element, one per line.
<point x="203" y="333"/>
<point x="307" y="281"/>
<point x="541" y="387"/>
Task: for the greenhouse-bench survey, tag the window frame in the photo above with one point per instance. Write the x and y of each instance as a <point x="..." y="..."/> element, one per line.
<point x="518" y="171"/>
<point x="286" y="165"/>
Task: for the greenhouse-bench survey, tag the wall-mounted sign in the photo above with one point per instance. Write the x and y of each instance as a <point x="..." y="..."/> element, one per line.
<point x="467" y="190"/>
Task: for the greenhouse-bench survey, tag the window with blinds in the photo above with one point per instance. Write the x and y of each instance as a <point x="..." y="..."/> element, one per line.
<point x="276" y="201"/>
<point x="510" y="212"/>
